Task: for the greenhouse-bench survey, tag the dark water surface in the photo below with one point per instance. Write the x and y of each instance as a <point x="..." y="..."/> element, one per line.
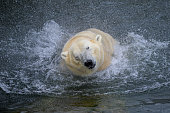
<point x="33" y="33"/>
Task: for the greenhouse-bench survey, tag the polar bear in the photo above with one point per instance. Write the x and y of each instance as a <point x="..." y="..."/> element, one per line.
<point x="88" y="51"/>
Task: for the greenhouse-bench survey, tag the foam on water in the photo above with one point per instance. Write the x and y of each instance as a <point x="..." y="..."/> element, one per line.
<point x="139" y="65"/>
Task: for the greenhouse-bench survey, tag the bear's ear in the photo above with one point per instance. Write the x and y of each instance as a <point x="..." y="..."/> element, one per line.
<point x="98" y="38"/>
<point x="64" y="55"/>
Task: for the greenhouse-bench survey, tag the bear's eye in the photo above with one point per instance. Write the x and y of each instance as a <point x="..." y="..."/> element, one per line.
<point x="77" y="58"/>
<point x="87" y="48"/>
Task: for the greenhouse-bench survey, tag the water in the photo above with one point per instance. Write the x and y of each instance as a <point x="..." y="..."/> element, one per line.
<point x="31" y="79"/>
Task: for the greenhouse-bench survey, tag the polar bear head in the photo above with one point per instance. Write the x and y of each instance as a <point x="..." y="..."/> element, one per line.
<point x="84" y="55"/>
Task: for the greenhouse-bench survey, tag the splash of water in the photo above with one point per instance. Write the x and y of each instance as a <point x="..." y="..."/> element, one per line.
<point x="139" y="65"/>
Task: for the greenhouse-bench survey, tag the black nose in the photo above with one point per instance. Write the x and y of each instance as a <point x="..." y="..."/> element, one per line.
<point x="89" y="64"/>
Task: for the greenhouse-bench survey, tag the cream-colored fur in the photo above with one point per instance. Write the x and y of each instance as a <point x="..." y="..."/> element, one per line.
<point x="89" y="44"/>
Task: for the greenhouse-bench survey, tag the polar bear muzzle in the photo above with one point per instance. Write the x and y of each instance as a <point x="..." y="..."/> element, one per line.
<point x="90" y="64"/>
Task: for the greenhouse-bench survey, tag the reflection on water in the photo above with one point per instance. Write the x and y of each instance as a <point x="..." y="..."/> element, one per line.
<point x="87" y="104"/>
<point x="77" y="104"/>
